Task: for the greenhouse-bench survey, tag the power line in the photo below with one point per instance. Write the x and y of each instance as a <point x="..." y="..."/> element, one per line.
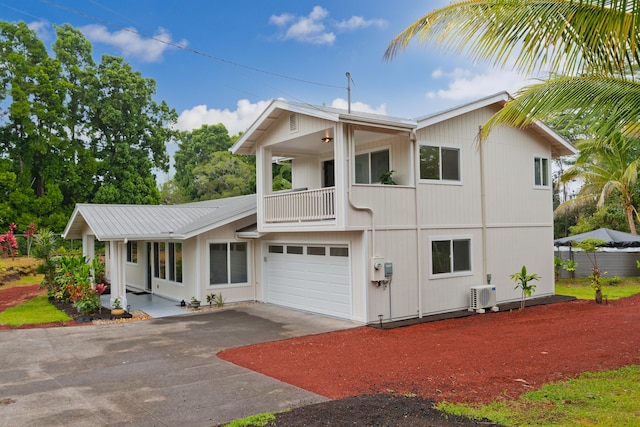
<point x="188" y="49"/>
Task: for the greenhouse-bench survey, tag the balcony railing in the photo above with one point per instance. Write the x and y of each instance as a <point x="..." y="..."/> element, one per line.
<point x="298" y="206"/>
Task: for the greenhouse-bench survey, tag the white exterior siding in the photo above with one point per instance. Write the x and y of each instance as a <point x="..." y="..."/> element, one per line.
<point x="450" y="293"/>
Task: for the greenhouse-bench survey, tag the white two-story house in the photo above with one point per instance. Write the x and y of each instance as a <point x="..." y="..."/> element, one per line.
<point x="346" y="242"/>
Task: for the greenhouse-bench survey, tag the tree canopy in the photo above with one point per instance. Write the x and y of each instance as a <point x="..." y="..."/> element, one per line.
<point x="72" y="130"/>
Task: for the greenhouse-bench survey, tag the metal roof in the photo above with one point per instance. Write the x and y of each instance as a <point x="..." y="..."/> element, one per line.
<point x="155" y="222"/>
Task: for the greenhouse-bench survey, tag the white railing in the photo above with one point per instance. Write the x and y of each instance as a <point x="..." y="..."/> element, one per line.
<point x="296" y="206"/>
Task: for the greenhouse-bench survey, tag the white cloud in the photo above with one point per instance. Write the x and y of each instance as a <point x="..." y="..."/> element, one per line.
<point x="465" y="84"/>
<point x="235" y="121"/>
<point x="42" y="29"/>
<point x="130" y="41"/>
<point x="358" y="22"/>
<point x="359" y="106"/>
<point x="313" y="27"/>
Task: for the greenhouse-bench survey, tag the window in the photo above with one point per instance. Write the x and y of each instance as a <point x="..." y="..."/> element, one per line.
<point x="228" y="263"/>
<point x="541" y="171"/>
<point x="316" y="250"/>
<point x="296" y="250"/>
<point x="175" y="262"/>
<point x="167" y="261"/>
<point x="450" y="256"/>
<point x="132" y="252"/>
<point x="160" y="263"/>
<point x="439" y="163"/>
<point x="370" y="166"/>
<point x="342" y="252"/>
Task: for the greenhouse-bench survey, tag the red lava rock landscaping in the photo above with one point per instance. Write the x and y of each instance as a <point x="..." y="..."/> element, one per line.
<point x="473" y="359"/>
<point x="11" y="297"/>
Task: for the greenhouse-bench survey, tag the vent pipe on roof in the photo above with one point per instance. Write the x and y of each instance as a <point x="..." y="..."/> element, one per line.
<point x="348" y="74"/>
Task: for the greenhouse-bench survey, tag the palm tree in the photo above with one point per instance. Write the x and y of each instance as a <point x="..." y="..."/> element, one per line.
<point x="606" y="168"/>
<point x="589" y="50"/>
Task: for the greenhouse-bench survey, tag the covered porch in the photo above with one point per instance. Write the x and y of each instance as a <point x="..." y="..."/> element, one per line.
<point x="154" y="305"/>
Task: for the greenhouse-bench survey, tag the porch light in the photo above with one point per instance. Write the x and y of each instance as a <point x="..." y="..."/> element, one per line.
<point x="327" y="139"/>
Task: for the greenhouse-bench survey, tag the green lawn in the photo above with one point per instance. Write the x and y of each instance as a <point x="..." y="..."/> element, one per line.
<point x="37" y="310"/>
<point x="614" y="288"/>
<point x="603" y="399"/>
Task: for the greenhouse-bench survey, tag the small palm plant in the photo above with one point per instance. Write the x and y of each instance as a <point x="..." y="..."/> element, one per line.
<point x="523" y="280"/>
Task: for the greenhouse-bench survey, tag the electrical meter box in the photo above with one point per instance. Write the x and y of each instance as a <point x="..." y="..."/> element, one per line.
<point x="377" y="269"/>
<point x="388" y="269"/>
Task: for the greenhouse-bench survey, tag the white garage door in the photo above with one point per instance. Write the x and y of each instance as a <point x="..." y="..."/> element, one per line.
<point x="309" y="277"/>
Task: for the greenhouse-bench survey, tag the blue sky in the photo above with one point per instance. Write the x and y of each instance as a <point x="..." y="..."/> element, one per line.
<point x="223" y="61"/>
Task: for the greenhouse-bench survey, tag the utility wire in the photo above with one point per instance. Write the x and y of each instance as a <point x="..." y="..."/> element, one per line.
<point x="188" y="49"/>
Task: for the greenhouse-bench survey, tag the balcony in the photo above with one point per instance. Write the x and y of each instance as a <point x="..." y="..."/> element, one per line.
<point x="300" y="206"/>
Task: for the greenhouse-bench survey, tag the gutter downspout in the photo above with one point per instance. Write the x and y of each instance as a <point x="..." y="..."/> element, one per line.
<point x="416" y="155"/>
<point x="483" y="206"/>
<point x="350" y="157"/>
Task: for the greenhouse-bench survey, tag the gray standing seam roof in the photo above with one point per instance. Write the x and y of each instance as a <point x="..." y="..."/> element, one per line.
<point x="115" y="222"/>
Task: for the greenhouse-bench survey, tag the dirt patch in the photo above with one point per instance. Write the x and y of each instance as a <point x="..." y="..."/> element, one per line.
<point x="10" y="297"/>
<point x="374" y="410"/>
<point x="475" y="359"/>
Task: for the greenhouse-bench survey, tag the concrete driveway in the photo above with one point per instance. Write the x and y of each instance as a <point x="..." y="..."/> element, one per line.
<point x="159" y="372"/>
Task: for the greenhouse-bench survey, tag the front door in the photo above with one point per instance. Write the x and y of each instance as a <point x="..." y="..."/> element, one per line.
<point x="149" y="260"/>
<point x="328" y="172"/>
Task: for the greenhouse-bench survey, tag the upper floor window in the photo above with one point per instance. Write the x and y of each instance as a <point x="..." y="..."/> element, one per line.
<point x="541" y="171"/>
<point x="451" y="256"/>
<point x="439" y="163"/>
<point x="371" y="165"/>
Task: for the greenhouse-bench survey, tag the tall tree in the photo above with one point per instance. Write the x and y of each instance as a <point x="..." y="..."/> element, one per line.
<point x="128" y="133"/>
<point x="73" y="131"/>
<point x="195" y="149"/>
<point x="590" y="47"/>
<point x="605" y="169"/>
<point x="74" y="54"/>
<point x="224" y="175"/>
<point x="32" y="132"/>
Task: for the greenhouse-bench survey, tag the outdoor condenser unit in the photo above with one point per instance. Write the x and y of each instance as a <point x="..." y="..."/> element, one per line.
<point x="481" y="297"/>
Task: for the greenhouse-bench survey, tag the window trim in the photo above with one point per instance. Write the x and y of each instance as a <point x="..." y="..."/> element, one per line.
<point x="546" y="177"/>
<point x="228" y="284"/>
<point x="369" y="151"/>
<point x="441" y="181"/>
<point x="130" y="252"/>
<point x="452" y="273"/>
<point x="155" y="271"/>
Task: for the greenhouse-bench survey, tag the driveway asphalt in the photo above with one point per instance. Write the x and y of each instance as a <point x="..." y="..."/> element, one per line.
<point x="158" y="372"/>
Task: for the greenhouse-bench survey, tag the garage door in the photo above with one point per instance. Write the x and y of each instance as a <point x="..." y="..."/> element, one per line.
<point x="309" y="277"/>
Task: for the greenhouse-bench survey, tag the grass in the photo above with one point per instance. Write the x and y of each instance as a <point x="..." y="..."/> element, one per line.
<point x="604" y="399"/>
<point x="253" y="420"/>
<point x="24" y="265"/>
<point x="37" y="310"/>
<point x="615" y="288"/>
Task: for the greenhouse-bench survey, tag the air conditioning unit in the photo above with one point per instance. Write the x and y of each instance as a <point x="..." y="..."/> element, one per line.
<point x="481" y="297"/>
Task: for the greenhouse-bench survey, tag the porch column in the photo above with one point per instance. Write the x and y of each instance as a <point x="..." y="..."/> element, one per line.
<point x="88" y="246"/>
<point x="88" y="250"/>
<point x="118" y="275"/>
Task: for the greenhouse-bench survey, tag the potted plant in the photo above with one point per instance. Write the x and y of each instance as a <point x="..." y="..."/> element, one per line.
<point x="386" y="178"/>
<point x="195" y="303"/>
<point x="116" y="308"/>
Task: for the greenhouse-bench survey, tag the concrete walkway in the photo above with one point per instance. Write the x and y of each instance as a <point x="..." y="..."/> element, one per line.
<point x="159" y="372"/>
<point x="154" y="305"/>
